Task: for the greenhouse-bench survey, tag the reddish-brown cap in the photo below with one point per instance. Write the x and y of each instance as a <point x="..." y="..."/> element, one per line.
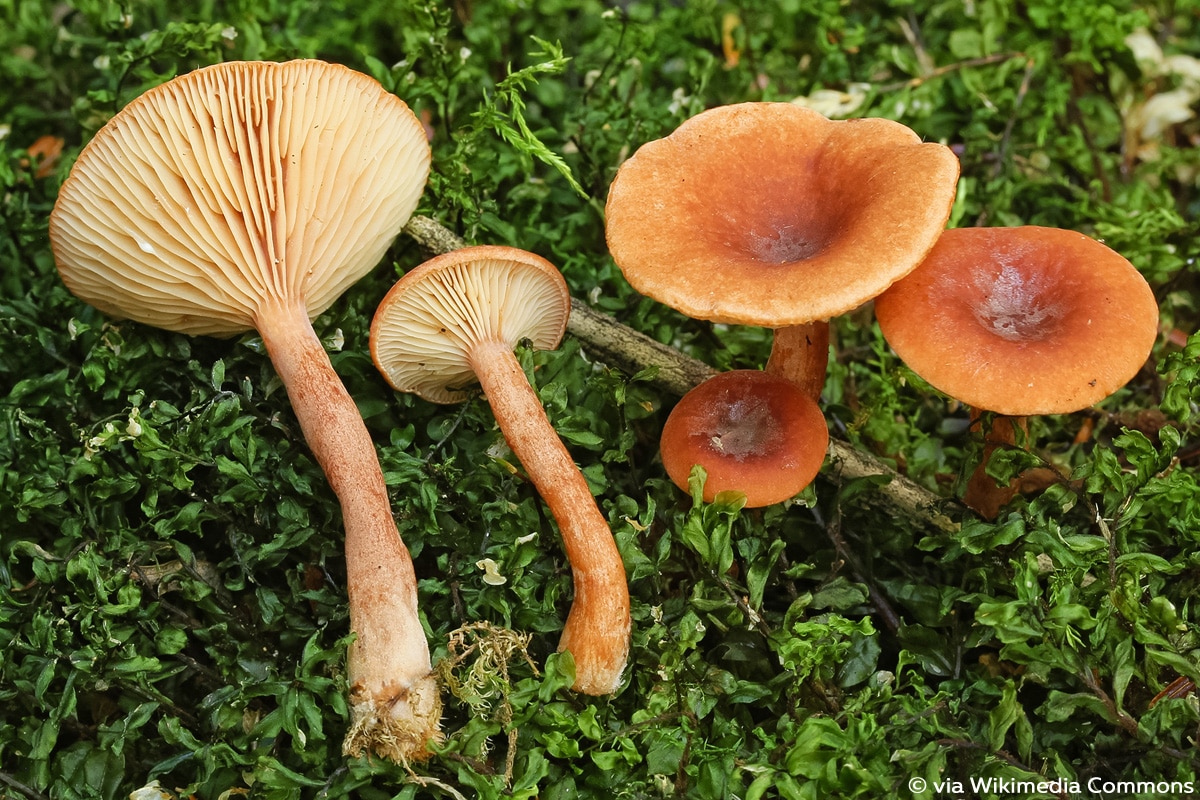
<point x="771" y="214"/>
<point x="1022" y="321"/>
<point x="238" y="185"/>
<point x="753" y="432"/>
<point x="426" y="326"/>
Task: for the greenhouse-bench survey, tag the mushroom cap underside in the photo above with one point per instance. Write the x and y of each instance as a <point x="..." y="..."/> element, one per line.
<point x="235" y="186"/>
<point x="1022" y="321"/>
<point x="429" y="322"/>
<point x="771" y="214"/>
<point x="753" y="432"/>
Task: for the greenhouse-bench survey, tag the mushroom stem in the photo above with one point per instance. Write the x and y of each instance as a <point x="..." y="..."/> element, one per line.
<point x="800" y="353"/>
<point x="597" y="628"/>
<point x="982" y="494"/>
<point x="395" y="703"/>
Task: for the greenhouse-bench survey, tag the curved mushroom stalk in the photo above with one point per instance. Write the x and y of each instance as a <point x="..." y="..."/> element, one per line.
<point x="982" y="495"/>
<point x="394" y="698"/>
<point x="456" y="319"/>
<point x="597" y="629"/>
<point x="250" y="195"/>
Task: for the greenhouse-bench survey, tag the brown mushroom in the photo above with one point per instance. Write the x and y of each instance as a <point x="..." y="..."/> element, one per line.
<point x="456" y="319"/>
<point x="752" y="432"/>
<point x="771" y="214"/>
<point x="1021" y="321"/>
<point x="249" y="196"/>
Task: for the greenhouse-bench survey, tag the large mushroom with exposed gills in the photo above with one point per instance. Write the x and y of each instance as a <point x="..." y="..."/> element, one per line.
<point x="248" y="196"/>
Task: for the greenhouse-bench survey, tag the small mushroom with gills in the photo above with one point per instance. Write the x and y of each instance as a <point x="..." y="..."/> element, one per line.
<point x="455" y="320"/>
<point x="249" y="196"/>
<point x="1020" y="321"/>
<point x="752" y="432"/>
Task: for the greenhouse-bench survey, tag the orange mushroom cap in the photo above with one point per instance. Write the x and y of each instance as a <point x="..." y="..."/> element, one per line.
<point x="771" y="214"/>
<point x="1022" y="321"/>
<point x="753" y="432"/>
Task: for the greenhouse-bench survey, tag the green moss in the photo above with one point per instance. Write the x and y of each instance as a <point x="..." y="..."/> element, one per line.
<point x="172" y="608"/>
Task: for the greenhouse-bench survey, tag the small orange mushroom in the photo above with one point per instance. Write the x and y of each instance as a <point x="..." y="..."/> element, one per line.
<point x="46" y="151"/>
<point x="752" y="432"/>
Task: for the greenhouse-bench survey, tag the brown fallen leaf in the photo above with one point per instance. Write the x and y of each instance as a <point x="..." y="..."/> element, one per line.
<point x="45" y="153"/>
<point x="729" y="23"/>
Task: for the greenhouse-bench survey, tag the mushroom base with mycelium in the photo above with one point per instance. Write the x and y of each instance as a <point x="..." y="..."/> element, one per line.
<point x="395" y="700"/>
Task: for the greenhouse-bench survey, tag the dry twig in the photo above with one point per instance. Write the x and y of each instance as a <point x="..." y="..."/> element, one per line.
<point x="623" y="348"/>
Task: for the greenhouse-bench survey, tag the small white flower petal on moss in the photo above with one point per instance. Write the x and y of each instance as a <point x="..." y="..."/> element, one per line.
<point x="491" y="572"/>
